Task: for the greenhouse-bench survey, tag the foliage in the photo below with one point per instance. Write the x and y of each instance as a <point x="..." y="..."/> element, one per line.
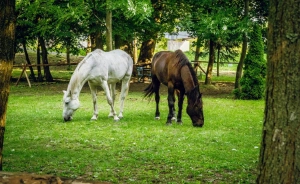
<point x="68" y="23"/>
<point x="138" y="149"/>
<point x="253" y="80"/>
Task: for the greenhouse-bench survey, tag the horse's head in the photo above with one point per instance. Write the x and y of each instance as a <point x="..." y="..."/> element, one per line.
<point x="70" y="106"/>
<point x="195" y="110"/>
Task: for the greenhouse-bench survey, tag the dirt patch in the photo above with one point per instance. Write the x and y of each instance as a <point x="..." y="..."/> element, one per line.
<point x="27" y="178"/>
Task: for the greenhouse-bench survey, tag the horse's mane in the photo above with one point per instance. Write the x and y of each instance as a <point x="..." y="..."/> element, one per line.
<point x="182" y="61"/>
<point x="75" y="77"/>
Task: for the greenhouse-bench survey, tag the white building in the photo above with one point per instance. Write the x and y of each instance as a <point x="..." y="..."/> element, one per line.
<point x="178" y="41"/>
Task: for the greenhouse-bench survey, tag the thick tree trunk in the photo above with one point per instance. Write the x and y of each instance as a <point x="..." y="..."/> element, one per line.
<point x="124" y="45"/>
<point x="149" y="41"/>
<point x="7" y="54"/>
<point x="239" y="69"/>
<point x="210" y="62"/>
<point x="47" y="72"/>
<point x="28" y="62"/>
<point x="279" y="160"/>
<point x="147" y="51"/>
<point x="96" y="40"/>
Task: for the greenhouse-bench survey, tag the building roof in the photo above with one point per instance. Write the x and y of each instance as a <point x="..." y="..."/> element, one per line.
<point x="179" y="35"/>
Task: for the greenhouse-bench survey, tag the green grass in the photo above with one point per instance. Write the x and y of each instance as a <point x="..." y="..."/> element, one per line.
<point x="137" y="149"/>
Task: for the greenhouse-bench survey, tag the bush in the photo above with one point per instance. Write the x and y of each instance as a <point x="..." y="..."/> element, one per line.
<point x="253" y="80"/>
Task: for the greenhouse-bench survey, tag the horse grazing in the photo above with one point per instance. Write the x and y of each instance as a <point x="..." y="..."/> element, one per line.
<point x="103" y="69"/>
<point x="174" y="70"/>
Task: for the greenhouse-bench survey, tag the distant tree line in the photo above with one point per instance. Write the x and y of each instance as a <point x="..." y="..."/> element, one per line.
<point x="136" y="26"/>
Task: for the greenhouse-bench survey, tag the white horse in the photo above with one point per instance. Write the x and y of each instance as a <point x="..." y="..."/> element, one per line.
<point x="103" y="69"/>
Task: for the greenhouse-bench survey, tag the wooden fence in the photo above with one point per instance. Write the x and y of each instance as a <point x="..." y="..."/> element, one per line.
<point x="24" y="67"/>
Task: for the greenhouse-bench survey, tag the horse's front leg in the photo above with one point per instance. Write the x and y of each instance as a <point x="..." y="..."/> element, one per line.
<point x="112" y="88"/>
<point x="171" y="100"/>
<point x="109" y="99"/>
<point x="94" y="97"/>
<point x="180" y="102"/>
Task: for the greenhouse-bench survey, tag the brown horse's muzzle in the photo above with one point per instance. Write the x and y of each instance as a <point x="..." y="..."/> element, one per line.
<point x="198" y="123"/>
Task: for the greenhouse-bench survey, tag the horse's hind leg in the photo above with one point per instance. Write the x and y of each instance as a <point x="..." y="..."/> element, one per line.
<point x="176" y="92"/>
<point x="156" y="85"/>
<point x="113" y="96"/>
<point x="94" y="97"/>
<point x="124" y="91"/>
<point x="171" y="100"/>
<point x="109" y="99"/>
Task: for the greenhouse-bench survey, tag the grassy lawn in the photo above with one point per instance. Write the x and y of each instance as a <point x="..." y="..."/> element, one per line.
<point x="137" y="149"/>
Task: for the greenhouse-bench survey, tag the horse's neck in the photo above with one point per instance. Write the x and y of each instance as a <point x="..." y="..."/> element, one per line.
<point x="75" y="85"/>
<point x="187" y="79"/>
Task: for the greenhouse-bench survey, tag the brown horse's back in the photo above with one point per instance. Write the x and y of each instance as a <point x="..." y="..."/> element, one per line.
<point x="165" y="68"/>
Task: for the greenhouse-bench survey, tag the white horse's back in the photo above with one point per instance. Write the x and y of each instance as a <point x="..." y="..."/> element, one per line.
<point x="111" y="66"/>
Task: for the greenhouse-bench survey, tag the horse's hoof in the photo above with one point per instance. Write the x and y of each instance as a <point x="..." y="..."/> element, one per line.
<point x="179" y="122"/>
<point x="173" y="119"/>
<point x="117" y="119"/>
<point x="157" y="118"/>
<point x="168" y="124"/>
<point x="94" y="118"/>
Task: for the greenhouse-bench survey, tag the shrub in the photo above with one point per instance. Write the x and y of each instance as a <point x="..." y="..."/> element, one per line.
<point x="253" y="80"/>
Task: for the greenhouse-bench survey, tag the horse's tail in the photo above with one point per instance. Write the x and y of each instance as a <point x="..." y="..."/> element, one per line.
<point x="149" y="90"/>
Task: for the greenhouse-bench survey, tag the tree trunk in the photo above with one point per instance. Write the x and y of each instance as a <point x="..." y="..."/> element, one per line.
<point x="108" y="26"/>
<point x="149" y="41"/>
<point x="239" y="69"/>
<point x="197" y="56"/>
<point x="124" y="45"/>
<point x="197" y="52"/>
<point x="210" y="62"/>
<point x="279" y="160"/>
<point x="135" y="54"/>
<point x="7" y="54"/>
<point x="28" y="61"/>
<point x="89" y="45"/>
<point x="96" y="40"/>
<point x="147" y="51"/>
<point x="47" y="72"/>
<point x="218" y="62"/>
<point x="68" y="56"/>
<point x="38" y="62"/>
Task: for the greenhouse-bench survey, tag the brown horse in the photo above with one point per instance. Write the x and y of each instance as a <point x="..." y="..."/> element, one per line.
<point x="174" y="70"/>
